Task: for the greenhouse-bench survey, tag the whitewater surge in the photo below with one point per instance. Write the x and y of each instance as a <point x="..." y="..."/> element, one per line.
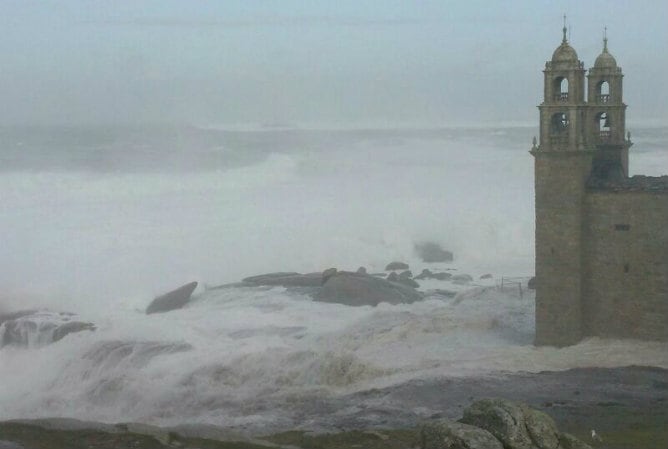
<point x="100" y="239"/>
<point x="236" y="355"/>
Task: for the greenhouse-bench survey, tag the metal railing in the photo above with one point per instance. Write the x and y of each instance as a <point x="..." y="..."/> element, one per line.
<point x="603" y="98"/>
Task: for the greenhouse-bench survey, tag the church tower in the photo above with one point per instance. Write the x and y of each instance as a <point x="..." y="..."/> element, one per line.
<point x="606" y="118"/>
<point x="563" y="162"/>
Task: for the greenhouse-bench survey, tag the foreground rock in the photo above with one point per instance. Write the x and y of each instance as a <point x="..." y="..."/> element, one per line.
<point x="517" y="425"/>
<point x="431" y="252"/>
<point x="355" y="289"/>
<point x="36" y="328"/>
<point x="445" y="434"/>
<point x="173" y="300"/>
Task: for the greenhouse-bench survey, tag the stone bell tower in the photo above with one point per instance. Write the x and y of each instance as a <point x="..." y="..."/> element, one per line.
<point x="563" y="162"/>
<point x="606" y="118"/>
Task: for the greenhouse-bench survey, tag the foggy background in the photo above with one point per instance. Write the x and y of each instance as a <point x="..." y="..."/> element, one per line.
<point x="361" y="63"/>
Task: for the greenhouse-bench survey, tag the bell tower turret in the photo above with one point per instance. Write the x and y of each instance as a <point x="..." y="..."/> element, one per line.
<point x="562" y="110"/>
<point x="562" y="164"/>
<point x="606" y="118"/>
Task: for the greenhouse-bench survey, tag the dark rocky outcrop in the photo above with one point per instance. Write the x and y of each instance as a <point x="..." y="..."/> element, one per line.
<point x="358" y="290"/>
<point x="446" y="434"/>
<point x="441" y="292"/>
<point x="486" y="276"/>
<point x="392" y="266"/>
<point x="517" y="426"/>
<point x="431" y="252"/>
<point x="497" y="424"/>
<point x="173" y="300"/>
<point x="428" y="274"/>
<point x="288" y="279"/>
<point x="531" y="285"/>
<point x="461" y="278"/>
<point x="35" y="328"/>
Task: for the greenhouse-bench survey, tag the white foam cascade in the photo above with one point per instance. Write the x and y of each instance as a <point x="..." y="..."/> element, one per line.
<point x="103" y="245"/>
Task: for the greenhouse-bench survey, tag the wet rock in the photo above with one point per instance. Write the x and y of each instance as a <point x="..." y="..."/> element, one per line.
<point x="408" y="282"/>
<point x="14" y="315"/>
<point x="328" y="273"/>
<point x="71" y="327"/>
<point x="288" y="279"/>
<point x="431" y="252"/>
<point x="361" y="270"/>
<point x="568" y="441"/>
<point x="427" y="274"/>
<point x="441" y="292"/>
<point x="486" y="276"/>
<point x="396" y="266"/>
<point x="39" y="328"/>
<point x="531" y="285"/>
<point x="461" y="278"/>
<point x="173" y="300"/>
<point x="359" y="290"/>
<point x="516" y="425"/>
<point x="393" y="277"/>
<point x="406" y="274"/>
<point x="445" y="434"/>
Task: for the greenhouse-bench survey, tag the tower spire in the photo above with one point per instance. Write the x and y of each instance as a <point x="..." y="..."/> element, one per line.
<point x="605" y="39"/>
<point x="564" y="41"/>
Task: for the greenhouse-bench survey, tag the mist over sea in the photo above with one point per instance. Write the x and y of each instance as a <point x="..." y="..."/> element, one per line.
<point x="99" y="220"/>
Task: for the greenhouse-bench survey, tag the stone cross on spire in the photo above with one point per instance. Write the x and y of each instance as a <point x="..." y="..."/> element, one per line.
<point x="564" y="31"/>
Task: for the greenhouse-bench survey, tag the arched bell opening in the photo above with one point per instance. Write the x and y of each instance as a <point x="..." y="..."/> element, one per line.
<point x="604" y="126"/>
<point x="603" y="92"/>
<point x="559" y="128"/>
<point x="560" y="88"/>
<point x="560" y="123"/>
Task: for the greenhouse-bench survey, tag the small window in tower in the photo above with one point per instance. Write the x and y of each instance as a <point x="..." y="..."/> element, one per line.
<point x="622" y="227"/>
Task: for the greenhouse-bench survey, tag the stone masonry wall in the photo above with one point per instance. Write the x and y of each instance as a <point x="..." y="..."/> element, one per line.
<point x="560" y="178"/>
<point x="625" y="262"/>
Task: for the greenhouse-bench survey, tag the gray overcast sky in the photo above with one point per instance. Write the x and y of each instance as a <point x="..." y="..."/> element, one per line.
<point x="349" y="62"/>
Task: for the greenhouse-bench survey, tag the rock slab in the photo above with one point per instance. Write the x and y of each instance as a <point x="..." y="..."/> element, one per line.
<point x="517" y="426"/>
<point x="173" y="300"/>
<point x="361" y="290"/>
<point x="446" y="434"/>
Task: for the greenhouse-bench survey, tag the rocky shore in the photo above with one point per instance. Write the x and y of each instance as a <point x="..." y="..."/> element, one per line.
<point x="626" y="408"/>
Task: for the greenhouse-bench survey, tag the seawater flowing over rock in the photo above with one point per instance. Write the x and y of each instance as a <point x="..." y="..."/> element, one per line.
<point x="287" y="279"/>
<point x="359" y="290"/>
<point x="39" y="328"/>
<point x="343" y="287"/>
<point x="173" y="300"/>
